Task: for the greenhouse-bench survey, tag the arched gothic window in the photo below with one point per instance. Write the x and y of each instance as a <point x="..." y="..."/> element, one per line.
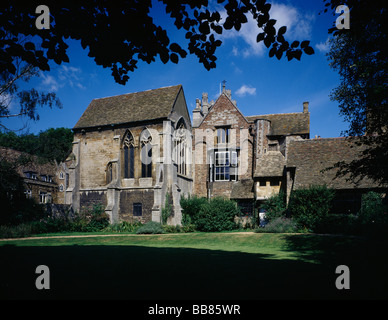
<point x="146" y="154"/>
<point x="180" y="149"/>
<point x="129" y="156"/>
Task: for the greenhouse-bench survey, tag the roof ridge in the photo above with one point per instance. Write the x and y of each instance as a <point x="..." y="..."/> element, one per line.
<point x="275" y="114"/>
<point x="124" y="94"/>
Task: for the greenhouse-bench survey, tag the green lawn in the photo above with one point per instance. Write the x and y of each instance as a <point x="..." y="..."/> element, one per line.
<point x="195" y="266"/>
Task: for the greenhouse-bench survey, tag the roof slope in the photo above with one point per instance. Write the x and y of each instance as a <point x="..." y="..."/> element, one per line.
<point x="286" y="123"/>
<point x="310" y="157"/>
<point x="131" y="107"/>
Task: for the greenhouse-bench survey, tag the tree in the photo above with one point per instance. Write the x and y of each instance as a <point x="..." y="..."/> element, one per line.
<point x="52" y="144"/>
<point x="123" y="32"/>
<point x="359" y="54"/>
<point x="27" y="100"/>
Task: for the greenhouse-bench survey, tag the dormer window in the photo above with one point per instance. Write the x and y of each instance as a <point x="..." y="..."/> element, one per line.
<point x="31" y="175"/>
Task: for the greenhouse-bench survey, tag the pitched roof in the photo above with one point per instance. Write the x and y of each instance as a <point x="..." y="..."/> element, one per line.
<point x="130" y="107"/>
<point x="286" y="123"/>
<point x="29" y="163"/>
<point x="242" y="189"/>
<point x="310" y="157"/>
<point x="270" y="164"/>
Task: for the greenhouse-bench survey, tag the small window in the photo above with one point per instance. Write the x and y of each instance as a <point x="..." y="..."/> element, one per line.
<point x="223" y="135"/>
<point x="61" y="188"/>
<point x="28" y="194"/>
<point x="137" y="209"/>
<point x="273" y="147"/>
<point x="45" y="197"/>
<point x="61" y="176"/>
<point x="275" y="182"/>
<point x="263" y="183"/>
<point x="109" y="173"/>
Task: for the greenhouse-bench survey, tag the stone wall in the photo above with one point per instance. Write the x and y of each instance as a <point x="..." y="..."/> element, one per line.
<point x="222" y="114"/>
<point x="129" y="197"/>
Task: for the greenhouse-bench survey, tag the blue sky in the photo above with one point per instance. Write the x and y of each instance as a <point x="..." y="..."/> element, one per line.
<point x="259" y="84"/>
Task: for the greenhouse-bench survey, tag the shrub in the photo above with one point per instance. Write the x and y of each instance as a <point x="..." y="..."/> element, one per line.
<point x="279" y="225"/>
<point x="373" y="214"/>
<point x="124" y="226"/>
<point x="275" y="206"/>
<point x="217" y="214"/>
<point x="310" y="206"/>
<point x="19" y="231"/>
<point x="92" y="219"/>
<point x="191" y="206"/>
<point x="150" y="227"/>
<point x="372" y="208"/>
<point x="167" y="210"/>
<point x="178" y="228"/>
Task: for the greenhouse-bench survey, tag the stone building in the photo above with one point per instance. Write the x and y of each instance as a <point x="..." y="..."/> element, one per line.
<point x="242" y="157"/>
<point x="129" y="151"/>
<point x="42" y="179"/>
<point x="308" y="162"/>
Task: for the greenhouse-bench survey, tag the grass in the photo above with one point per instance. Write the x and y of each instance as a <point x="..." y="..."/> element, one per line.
<point x="194" y="266"/>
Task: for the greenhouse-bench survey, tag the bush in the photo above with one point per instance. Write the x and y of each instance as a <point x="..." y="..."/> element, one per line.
<point x="191" y="206"/>
<point x="217" y="214"/>
<point x="372" y="209"/>
<point x="151" y="227"/>
<point x="373" y="214"/>
<point x="124" y="226"/>
<point x="275" y="206"/>
<point x="279" y="225"/>
<point x="19" y="231"/>
<point x="178" y="228"/>
<point x="92" y="219"/>
<point x="309" y="207"/>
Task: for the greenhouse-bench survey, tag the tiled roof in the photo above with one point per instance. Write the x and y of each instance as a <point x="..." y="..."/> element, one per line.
<point x="271" y="164"/>
<point x="131" y="107"/>
<point x="286" y="123"/>
<point x="242" y="189"/>
<point x="30" y="163"/>
<point x="310" y="157"/>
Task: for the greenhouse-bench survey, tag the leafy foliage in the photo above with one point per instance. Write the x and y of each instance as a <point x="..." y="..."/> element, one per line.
<point x="150" y="227"/>
<point x="15" y="208"/>
<point x="310" y="206"/>
<point x="28" y="100"/>
<point x="275" y="206"/>
<point x="216" y="214"/>
<point x="191" y="207"/>
<point x="167" y="209"/>
<point x="359" y="55"/>
<point x="129" y="34"/>
<point x="279" y="225"/>
<point x="52" y="144"/>
<point x="373" y="210"/>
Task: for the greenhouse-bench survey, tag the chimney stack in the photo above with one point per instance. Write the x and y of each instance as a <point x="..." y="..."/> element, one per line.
<point x="205" y="103"/>
<point x="305" y="107"/>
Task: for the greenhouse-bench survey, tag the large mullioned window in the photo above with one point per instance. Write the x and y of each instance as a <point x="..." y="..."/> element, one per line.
<point x="129" y="156"/>
<point x="225" y="165"/>
<point x="181" y="149"/>
<point x="146" y="154"/>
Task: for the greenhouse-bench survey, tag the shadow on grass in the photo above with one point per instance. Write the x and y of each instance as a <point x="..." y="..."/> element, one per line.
<point x="137" y="272"/>
<point x="366" y="258"/>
